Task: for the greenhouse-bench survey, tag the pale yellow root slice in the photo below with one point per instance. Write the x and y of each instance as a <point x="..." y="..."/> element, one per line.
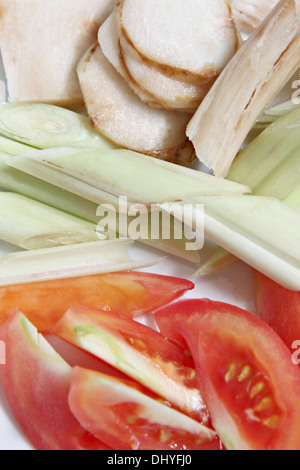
<point x="255" y="75"/>
<point x="117" y="113"/>
<point x="109" y="43"/>
<point x="169" y="92"/>
<point x="194" y="38"/>
<point x="249" y="14"/>
<point x="41" y="43"/>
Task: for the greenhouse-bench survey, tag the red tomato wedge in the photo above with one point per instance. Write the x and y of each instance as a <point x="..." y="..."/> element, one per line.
<point x="127" y="419"/>
<point x="133" y="293"/>
<point x="280" y="308"/>
<point x="36" y="382"/>
<point x="246" y="375"/>
<point x="137" y="351"/>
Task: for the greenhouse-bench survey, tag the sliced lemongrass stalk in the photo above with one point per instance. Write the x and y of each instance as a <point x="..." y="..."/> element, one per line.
<point x="249" y="14"/>
<point x="32" y="225"/>
<point x="47" y="126"/>
<point x="123" y="172"/>
<point x="270" y="115"/>
<point x="12" y="147"/>
<point x="22" y="183"/>
<point x="61" y="262"/>
<point x="261" y="231"/>
<point x="54" y="176"/>
<point x="293" y="199"/>
<point x="254" y="76"/>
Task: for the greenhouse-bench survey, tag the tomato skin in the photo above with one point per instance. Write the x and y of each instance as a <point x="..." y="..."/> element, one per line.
<point x="235" y="353"/>
<point x="278" y="307"/>
<point x="132" y="293"/>
<point x="139" y="352"/>
<point x="36" y="382"/>
<point x="100" y="401"/>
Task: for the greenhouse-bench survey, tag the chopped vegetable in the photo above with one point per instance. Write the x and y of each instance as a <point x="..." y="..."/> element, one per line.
<point x="270" y="166"/>
<point x="249" y="14"/>
<point x="99" y="402"/>
<point x="255" y="75"/>
<point x="275" y="112"/>
<point x="36" y="382"/>
<point x="253" y="228"/>
<point x="44" y="302"/>
<point x="137" y="351"/>
<point x="120" y="115"/>
<point x="141" y="178"/>
<point x="45" y="126"/>
<point x="32" y="225"/>
<point x="196" y="39"/>
<point x="247" y="378"/>
<point x="49" y="38"/>
<point x="280" y="308"/>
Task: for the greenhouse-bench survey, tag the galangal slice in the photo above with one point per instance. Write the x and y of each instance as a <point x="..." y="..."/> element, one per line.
<point x="41" y="43"/>
<point x="117" y="113"/>
<point x="169" y="92"/>
<point x="186" y="39"/>
<point x="109" y="43"/>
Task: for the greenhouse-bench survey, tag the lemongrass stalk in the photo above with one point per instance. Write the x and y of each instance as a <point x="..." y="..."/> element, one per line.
<point x="270" y="165"/>
<point x="30" y="224"/>
<point x="83" y="259"/>
<point x="254" y="76"/>
<point x="22" y="183"/>
<point x="270" y="115"/>
<point x="249" y="14"/>
<point x="254" y="229"/>
<point x="123" y="172"/>
<point x="54" y="176"/>
<point x="46" y="126"/>
<point x="293" y="199"/>
<point x="267" y="151"/>
<point x="12" y="147"/>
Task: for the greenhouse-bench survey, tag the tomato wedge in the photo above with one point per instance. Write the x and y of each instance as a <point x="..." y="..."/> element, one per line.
<point x="133" y="293"/>
<point x="280" y="308"/>
<point x="137" y="351"/>
<point x="246" y="375"/>
<point x="36" y="382"/>
<point x="119" y="413"/>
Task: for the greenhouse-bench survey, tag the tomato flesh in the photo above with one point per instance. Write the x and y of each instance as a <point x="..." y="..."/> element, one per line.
<point x="129" y="293"/>
<point x="36" y="382"/>
<point x="99" y="402"/>
<point x="280" y="308"/>
<point x="137" y="351"/>
<point x="245" y="371"/>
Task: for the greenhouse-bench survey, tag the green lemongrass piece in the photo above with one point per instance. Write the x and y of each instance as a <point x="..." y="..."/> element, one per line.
<point x="141" y="178"/>
<point x="270" y="115"/>
<point x="61" y="262"/>
<point x="12" y="147"/>
<point x="293" y="199"/>
<point x="54" y="176"/>
<point x="267" y="151"/>
<point x="270" y="165"/>
<point x="22" y="183"/>
<point x="254" y="229"/>
<point x="46" y="126"/>
<point x="30" y="224"/>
